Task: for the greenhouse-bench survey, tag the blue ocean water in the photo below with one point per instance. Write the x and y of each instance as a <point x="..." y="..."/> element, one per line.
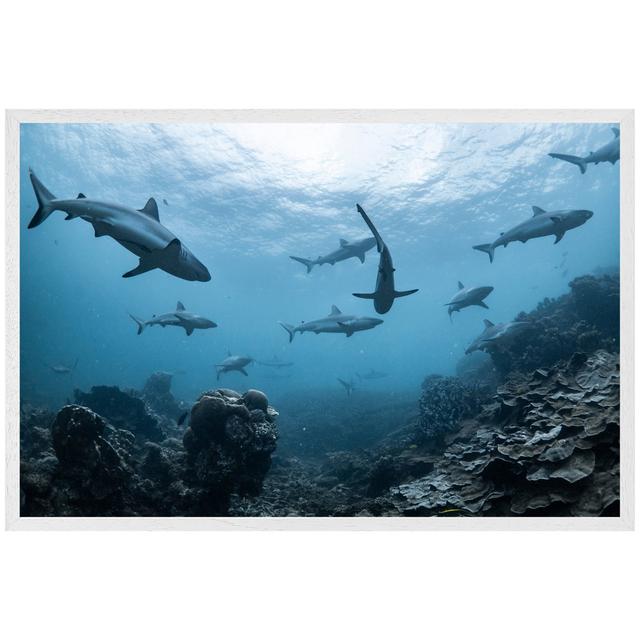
<point x="244" y="197"/>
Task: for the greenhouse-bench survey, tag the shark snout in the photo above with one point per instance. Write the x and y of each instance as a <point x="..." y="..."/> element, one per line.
<point x="375" y="321"/>
<point x="587" y="214"/>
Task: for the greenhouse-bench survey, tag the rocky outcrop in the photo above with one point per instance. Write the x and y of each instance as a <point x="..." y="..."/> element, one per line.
<point x="229" y="444"/>
<point x="122" y="410"/>
<point x="157" y="395"/>
<point x="81" y="465"/>
<point x="86" y="477"/>
<point x="547" y="445"/>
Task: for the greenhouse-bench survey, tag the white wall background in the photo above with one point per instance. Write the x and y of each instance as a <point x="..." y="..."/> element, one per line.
<point x="319" y="54"/>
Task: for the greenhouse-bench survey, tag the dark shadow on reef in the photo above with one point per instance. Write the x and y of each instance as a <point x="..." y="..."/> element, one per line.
<point x="529" y="429"/>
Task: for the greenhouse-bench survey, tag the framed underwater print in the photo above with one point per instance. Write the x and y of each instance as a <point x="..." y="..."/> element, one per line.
<point x="320" y="319"/>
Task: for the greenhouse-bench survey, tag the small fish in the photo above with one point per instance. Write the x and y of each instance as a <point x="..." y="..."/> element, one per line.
<point x="164" y="201"/>
<point x="182" y="418"/>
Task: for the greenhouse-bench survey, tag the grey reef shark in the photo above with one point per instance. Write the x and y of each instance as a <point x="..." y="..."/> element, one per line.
<point x="543" y="223"/>
<point x="372" y="374"/>
<point x="138" y="230"/>
<point x="233" y="363"/>
<point x="62" y="369"/>
<point x="346" y="250"/>
<point x="178" y="318"/>
<point x="335" y="322"/>
<point x="468" y="297"/>
<point x="495" y="334"/>
<point x="385" y="292"/>
<point x="349" y="387"/>
<point x="275" y="362"/>
<point x="610" y="152"/>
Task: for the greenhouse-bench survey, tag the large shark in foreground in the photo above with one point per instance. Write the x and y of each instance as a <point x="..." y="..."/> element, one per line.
<point x="385" y="292"/>
<point x="346" y="250"/>
<point x="610" y="152"/>
<point x="467" y="297"/>
<point x="233" y="363"/>
<point x="335" y="322"/>
<point x="178" y="318"/>
<point x="495" y="334"/>
<point x="543" y="223"/>
<point x="139" y="231"/>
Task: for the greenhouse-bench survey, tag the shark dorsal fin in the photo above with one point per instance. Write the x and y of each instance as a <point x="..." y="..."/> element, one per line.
<point x="537" y="211"/>
<point x="343" y="242"/>
<point x="616" y="131"/>
<point x="488" y="324"/>
<point x="151" y="209"/>
<point x="179" y="306"/>
<point x="80" y="196"/>
<point x="460" y="285"/>
<point x="335" y="311"/>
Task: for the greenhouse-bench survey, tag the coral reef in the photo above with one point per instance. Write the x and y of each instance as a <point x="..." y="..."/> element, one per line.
<point x="81" y="465"/>
<point x="229" y="444"/>
<point x="122" y="410"/>
<point x="444" y="403"/>
<point x="548" y="445"/>
<point x="584" y="320"/>
<point x="156" y="393"/>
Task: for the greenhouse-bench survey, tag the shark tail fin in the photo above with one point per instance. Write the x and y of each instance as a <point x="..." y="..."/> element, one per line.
<point x="402" y="294"/>
<point x="307" y="263"/>
<point x="139" y="322"/>
<point x="289" y="329"/>
<point x="487" y="248"/>
<point x="580" y="162"/>
<point x="44" y="197"/>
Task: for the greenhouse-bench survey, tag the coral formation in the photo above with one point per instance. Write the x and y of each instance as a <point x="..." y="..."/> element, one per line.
<point x="156" y="393"/>
<point x="122" y="410"/>
<point x="229" y="444"/>
<point x="79" y="464"/>
<point x="548" y="445"/>
<point x="584" y="320"/>
<point x="444" y="403"/>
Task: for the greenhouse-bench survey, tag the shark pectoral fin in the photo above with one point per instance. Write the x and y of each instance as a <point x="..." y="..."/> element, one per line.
<point x="365" y="296"/>
<point x="101" y="228"/>
<point x="143" y="267"/>
<point x="559" y="236"/>
<point x="243" y="372"/>
<point x="361" y="258"/>
<point x="189" y="330"/>
<point x="402" y="294"/>
<point x="481" y="304"/>
<point x="348" y="330"/>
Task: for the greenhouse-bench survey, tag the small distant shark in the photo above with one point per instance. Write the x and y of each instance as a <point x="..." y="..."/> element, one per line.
<point x="138" y="230"/>
<point x="346" y="250"/>
<point x="178" y="318"/>
<point x="372" y="374"/>
<point x="335" y="322"/>
<point x="274" y="362"/>
<point x="543" y="223"/>
<point x="233" y="363"/>
<point x="349" y="387"/>
<point x="472" y="296"/>
<point x="610" y="152"/>
<point x="63" y="369"/>
<point x="494" y="334"/>
<point x="385" y="292"/>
